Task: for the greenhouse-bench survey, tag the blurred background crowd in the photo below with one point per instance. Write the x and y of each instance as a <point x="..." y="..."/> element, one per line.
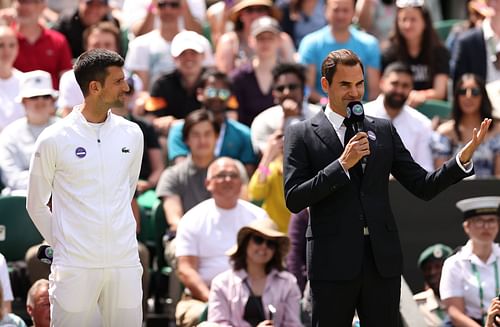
<point x="213" y="85"/>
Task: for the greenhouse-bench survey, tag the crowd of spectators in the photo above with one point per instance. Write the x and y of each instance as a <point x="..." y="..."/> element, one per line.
<point x="214" y="85"/>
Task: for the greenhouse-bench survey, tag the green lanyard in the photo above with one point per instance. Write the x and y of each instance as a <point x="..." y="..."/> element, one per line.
<point x="481" y="292"/>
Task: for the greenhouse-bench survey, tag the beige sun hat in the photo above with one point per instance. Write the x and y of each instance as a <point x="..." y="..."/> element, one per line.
<point x="242" y="4"/>
<point x="268" y="229"/>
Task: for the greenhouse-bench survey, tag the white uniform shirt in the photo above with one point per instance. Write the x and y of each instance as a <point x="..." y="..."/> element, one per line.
<point x="92" y="179"/>
<point x="207" y="232"/>
<point x="413" y="127"/>
<point x="458" y="279"/>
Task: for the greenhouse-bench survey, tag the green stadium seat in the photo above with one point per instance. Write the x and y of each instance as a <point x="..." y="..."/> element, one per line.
<point x="432" y="108"/>
<point x="17" y="231"/>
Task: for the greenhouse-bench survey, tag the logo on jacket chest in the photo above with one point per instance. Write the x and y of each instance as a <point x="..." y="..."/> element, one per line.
<point x="80" y="152"/>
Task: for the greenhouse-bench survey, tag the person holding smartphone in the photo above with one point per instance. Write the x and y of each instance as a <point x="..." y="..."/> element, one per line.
<point x="257" y="291"/>
<point x="470" y="278"/>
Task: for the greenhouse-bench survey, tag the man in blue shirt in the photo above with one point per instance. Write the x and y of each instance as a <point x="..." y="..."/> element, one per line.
<point x="234" y="138"/>
<point x="339" y="34"/>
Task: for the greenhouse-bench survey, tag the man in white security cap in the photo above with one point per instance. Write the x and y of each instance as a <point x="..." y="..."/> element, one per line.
<point x="18" y="138"/>
<point x="173" y="96"/>
<point x="470" y="279"/>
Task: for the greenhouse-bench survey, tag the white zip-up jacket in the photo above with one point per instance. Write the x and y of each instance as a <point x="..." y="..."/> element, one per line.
<point x="92" y="179"/>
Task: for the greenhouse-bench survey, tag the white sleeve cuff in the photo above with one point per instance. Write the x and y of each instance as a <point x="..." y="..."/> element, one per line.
<point x="467" y="167"/>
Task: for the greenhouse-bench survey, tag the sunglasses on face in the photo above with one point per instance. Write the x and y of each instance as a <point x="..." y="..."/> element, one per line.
<point x="44" y="97"/>
<point x="290" y="87"/>
<point x="257" y="9"/>
<point x="222" y="94"/>
<point x="474" y="91"/>
<point x="173" y="5"/>
<point x="258" y="240"/>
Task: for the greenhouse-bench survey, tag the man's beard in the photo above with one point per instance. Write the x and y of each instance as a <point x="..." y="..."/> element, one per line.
<point x="393" y="101"/>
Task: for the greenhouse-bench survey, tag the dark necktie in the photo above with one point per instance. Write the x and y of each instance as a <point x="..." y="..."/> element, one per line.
<point x="349" y="134"/>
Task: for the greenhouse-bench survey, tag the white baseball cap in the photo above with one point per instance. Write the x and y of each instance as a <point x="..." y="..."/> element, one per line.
<point x="36" y="83"/>
<point x="186" y="40"/>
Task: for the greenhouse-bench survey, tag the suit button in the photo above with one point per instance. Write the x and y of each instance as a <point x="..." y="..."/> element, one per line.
<point x="361" y="217"/>
<point x="362" y="193"/>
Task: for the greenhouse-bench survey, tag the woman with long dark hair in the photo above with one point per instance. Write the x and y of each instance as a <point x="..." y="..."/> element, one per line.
<point x="470" y="106"/>
<point x="258" y="291"/>
<point x="415" y="42"/>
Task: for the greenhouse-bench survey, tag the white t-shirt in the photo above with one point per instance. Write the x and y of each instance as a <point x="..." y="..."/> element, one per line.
<point x="413" y="127"/>
<point x="10" y="109"/>
<point x="207" y="232"/>
<point x="459" y="280"/>
<point x="135" y="10"/>
<point x="4" y="280"/>
<point x="150" y="52"/>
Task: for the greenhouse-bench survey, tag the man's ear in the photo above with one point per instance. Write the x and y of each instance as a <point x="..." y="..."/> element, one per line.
<point x="324" y="84"/>
<point x="94" y="87"/>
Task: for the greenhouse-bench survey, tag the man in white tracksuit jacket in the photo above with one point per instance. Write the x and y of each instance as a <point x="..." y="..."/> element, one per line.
<point x="89" y="164"/>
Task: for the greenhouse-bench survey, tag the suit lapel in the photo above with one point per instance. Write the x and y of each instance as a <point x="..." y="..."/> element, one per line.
<point x="325" y="131"/>
<point x="371" y="130"/>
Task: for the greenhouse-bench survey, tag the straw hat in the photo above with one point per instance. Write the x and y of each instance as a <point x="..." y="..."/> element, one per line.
<point x="268" y="229"/>
<point x="242" y="4"/>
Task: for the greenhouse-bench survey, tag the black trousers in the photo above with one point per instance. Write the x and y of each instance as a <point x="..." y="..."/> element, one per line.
<point x="375" y="298"/>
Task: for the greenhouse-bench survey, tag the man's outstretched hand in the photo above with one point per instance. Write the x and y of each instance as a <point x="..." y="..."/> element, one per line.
<point x="466" y="153"/>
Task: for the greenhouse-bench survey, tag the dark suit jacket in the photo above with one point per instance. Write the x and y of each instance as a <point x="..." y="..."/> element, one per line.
<point x="469" y="55"/>
<point x="314" y="178"/>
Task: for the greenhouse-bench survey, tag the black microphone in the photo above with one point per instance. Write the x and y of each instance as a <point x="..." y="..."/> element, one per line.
<point x="356" y="114"/>
<point x="45" y="254"/>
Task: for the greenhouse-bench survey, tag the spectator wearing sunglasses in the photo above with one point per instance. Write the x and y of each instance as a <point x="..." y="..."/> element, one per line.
<point x="470" y="106"/>
<point x="17" y="140"/>
<point x="291" y="105"/>
<point x="234" y="139"/>
<point x="257" y="291"/>
<point x="206" y="232"/>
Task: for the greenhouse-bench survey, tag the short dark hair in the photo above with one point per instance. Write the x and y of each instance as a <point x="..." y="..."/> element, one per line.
<point x="103" y="27"/>
<point x="339" y="57"/>
<point x="398" y="67"/>
<point x="239" y="258"/>
<point x="290" y="68"/>
<point x="216" y="74"/>
<point x="196" y="117"/>
<point x="92" y="66"/>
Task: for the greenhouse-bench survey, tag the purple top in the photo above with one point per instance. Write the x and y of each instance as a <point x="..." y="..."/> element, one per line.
<point x="250" y="98"/>
<point x="296" y="259"/>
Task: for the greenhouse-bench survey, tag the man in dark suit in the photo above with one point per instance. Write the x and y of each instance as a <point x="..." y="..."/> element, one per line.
<point x="354" y="254"/>
<point x="477" y="50"/>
